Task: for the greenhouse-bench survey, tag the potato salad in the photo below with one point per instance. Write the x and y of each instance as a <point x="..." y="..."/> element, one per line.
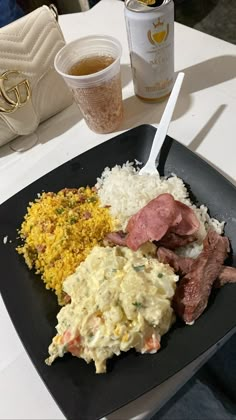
<point x="120" y="299"/>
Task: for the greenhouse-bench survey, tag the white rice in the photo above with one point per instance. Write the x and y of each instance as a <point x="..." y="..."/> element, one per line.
<point x="126" y="192"/>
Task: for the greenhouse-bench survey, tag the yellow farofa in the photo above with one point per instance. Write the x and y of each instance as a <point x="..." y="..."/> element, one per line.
<point x="59" y="231"/>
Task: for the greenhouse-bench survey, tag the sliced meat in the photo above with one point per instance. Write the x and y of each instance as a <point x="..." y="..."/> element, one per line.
<point x="181" y="265"/>
<point x="194" y="288"/>
<point x="163" y="218"/>
<point x="189" y="223"/>
<point x="87" y="215"/>
<point x="152" y="221"/>
<point x="116" y="238"/>
<point x="177" y="219"/>
<point x="41" y="248"/>
<point x="132" y="222"/>
<point x="172" y="241"/>
<point x="227" y="275"/>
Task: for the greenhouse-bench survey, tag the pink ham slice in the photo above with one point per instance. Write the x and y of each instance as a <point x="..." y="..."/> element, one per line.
<point x="152" y="222"/>
<point x="189" y="223"/>
<point x="161" y="216"/>
<point x="115" y="238"/>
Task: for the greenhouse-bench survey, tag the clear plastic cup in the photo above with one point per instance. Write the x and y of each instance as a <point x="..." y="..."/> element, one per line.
<point x="98" y="95"/>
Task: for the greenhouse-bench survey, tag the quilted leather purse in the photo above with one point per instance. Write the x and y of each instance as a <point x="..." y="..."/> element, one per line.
<point x="30" y="89"/>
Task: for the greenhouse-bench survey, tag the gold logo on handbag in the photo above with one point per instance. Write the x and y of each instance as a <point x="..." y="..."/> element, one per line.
<point x="15" y="96"/>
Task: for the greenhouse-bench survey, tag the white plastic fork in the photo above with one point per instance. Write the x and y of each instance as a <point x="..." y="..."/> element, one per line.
<point x="159" y="138"/>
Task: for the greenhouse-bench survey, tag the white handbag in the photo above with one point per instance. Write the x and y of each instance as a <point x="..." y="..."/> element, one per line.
<point x="30" y="89"/>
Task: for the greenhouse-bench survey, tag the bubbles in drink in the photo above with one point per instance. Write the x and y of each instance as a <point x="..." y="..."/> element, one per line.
<point x="101" y="105"/>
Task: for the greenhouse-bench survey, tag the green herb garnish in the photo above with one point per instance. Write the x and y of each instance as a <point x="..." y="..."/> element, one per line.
<point x="139" y="267"/>
<point x="72" y="204"/>
<point x="160" y="275"/>
<point x="73" y="220"/>
<point x="91" y="199"/>
<point x="137" y="305"/>
<point x="60" y="210"/>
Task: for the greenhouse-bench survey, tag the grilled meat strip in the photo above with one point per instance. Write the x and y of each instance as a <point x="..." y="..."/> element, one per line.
<point x="182" y="265"/>
<point x="194" y="288"/>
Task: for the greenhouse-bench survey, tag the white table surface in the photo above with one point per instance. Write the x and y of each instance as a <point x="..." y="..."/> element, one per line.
<point x="204" y="120"/>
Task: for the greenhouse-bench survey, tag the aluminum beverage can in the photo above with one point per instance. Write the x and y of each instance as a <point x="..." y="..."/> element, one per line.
<point x="150" y="33"/>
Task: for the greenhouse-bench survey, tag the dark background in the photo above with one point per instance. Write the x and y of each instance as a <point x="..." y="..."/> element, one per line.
<point x="214" y="17"/>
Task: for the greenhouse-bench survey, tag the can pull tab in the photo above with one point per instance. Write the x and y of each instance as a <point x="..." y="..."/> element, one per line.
<point x="154" y="3"/>
<point x="147" y="2"/>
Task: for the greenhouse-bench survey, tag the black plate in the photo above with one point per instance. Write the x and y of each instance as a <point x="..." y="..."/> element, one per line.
<point x="80" y="393"/>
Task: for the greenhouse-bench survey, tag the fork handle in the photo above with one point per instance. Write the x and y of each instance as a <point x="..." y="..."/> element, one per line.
<point x="165" y="121"/>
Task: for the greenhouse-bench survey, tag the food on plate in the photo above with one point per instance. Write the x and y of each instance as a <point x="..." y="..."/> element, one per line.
<point x="164" y="220"/>
<point x="226" y="275"/>
<point x="194" y="289"/>
<point x="173" y="240"/>
<point x="59" y="231"/>
<point x="127" y="192"/>
<point x="182" y="265"/>
<point x="199" y="275"/>
<point x="120" y="299"/>
<point x="160" y="217"/>
<point x="115" y="238"/>
<point x="123" y="257"/>
<point x="172" y="221"/>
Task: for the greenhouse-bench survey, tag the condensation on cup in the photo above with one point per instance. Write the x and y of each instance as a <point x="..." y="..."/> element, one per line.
<point x="150" y="30"/>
